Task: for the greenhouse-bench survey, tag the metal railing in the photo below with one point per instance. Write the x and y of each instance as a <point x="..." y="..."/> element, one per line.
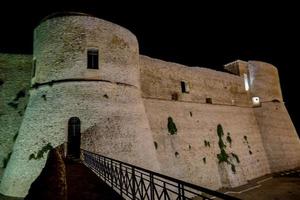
<point x="137" y="183"/>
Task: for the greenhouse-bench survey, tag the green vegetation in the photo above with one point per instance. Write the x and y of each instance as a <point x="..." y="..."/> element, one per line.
<point x="1" y="82"/>
<point x="20" y="94"/>
<point x="171" y="126"/>
<point x="246" y="141"/>
<point x="228" y="139"/>
<point x="223" y="156"/>
<point x="5" y="160"/>
<point x="41" y="152"/>
<point x="13" y="104"/>
<point x="206" y="143"/>
<point x="236" y="157"/>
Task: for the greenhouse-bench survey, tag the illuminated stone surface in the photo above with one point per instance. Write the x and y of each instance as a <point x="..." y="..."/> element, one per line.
<point x="124" y="108"/>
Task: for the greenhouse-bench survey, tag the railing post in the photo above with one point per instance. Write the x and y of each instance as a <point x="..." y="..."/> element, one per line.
<point x="151" y="187"/>
<point x="111" y="174"/>
<point x="133" y="183"/>
<point x="121" y="183"/>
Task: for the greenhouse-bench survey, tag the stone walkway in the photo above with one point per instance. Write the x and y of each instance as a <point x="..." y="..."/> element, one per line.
<point x="83" y="184"/>
<point x="281" y="186"/>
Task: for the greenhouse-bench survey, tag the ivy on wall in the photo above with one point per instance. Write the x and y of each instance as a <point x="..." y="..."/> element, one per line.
<point x="246" y="142"/>
<point x="171" y="126"/>
<point x="223" y="156"/>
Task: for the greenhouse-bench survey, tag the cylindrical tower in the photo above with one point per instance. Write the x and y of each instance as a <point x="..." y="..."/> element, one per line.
<point x="278" y="133"/>
<point x="85" y="70"/>
<point x="264" y="81"/>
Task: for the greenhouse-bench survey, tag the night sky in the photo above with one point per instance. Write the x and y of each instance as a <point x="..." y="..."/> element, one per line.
<point x="207" y="35"/>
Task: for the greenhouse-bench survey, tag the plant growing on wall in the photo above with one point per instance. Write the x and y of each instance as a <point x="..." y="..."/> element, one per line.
<point x="20" y="94"/>
<point x="13" y="104"/>
<point x="223" y="156"/>
<point x="206" y="143"/>
<point x="171" y="126"/>
<point x="246" y="142"/>
<point x="40" y="153"/>
<point x="228" y="139"/>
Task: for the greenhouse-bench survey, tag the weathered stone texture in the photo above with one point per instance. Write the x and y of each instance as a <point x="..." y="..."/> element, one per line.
<point x="15" y="73"/>
<point x="60" y="50"/>
<point x="264" y="81"/>
<point x="124" y="108"/>
<point x="279" y="136"/>
<point x="161" y="79"/>
<point x="194" y="130"/>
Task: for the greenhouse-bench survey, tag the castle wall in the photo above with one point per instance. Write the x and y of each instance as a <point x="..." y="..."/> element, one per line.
<point x="124" y="107"/>
<point x="65" y="88"/>
<point x="161" y="79"/>
<point x="197" y="122"/>
<point x="15" y="73"/>
<point x="264" y="81"/>
<point x="279" y="135"/>
<point x="61" y="44"/>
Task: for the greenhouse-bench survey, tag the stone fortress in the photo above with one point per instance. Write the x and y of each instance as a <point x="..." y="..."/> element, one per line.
<point x="211" y="128"/>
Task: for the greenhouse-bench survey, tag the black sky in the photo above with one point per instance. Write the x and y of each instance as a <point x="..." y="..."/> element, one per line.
<point x="207" y="35"/>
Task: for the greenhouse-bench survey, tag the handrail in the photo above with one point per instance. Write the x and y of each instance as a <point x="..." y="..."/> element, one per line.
<point x="138" y="183"/>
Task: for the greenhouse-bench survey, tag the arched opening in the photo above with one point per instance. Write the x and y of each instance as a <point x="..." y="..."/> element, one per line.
<point x="74" y="137"/>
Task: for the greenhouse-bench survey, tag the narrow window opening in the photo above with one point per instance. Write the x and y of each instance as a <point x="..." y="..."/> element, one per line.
<point x="93" y="59"/>
<point x="208" y="100"/>
<point x="184" y="87"/>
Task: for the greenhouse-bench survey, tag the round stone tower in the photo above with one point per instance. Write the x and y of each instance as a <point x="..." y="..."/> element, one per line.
<point x="85" y="70"/>
<point x="278" y="133"/>
<point x="264" y="81"/>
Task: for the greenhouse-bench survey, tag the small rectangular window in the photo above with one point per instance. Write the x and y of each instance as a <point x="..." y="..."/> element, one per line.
<point x="209" y="100"/>
<point x="184" y="87"/>
<point x="93" y="59"/>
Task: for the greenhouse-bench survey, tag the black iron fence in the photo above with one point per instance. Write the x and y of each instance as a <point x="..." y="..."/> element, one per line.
<point x="137" y="183"/>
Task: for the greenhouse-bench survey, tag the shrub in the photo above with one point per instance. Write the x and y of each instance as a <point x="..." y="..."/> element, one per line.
<point x="171" y="126"/>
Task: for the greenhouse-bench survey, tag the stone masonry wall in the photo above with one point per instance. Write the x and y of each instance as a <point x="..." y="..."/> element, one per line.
<point x="184" y="155"/>
<point x="15" y="73"/>
<point x="279" y="135"/>
<point x="161" y="79"/>
<point x="117" y="109"/>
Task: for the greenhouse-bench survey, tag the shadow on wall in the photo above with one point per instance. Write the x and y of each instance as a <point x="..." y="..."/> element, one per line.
<point x="51" y="183"/>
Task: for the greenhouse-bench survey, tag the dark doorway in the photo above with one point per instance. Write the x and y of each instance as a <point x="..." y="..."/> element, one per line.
<point x="74" y="137"/>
